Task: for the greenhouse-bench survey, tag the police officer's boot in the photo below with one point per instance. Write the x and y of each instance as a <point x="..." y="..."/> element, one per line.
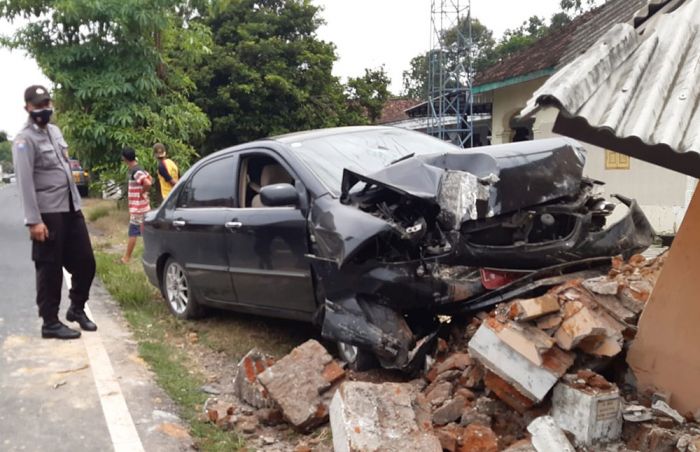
<point x="57" y="330"/>
<point x="76" y="314"/>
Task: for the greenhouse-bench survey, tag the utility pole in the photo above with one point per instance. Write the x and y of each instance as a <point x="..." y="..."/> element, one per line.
<point x="450" y="72"/>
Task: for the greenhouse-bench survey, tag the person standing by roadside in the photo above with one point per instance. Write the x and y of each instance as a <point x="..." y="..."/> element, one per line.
<point x="51" y="205"/>
<point x="139" y="182"/>
<point x="168" y="173"/>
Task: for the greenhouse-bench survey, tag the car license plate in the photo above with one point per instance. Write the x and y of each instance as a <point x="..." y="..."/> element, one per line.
<point x="76" y="178"/>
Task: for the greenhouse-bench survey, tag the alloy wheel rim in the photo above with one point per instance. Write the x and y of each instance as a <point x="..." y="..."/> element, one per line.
<point x="176" y="287"/>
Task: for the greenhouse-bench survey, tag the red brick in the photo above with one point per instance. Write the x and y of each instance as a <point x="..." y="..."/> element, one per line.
<point x="507" y="393"/>
<point x="449" y="436"/>
<point x="333" y="372"/>
<point x="472" y="376"/>
<point x="455" y="361"/>
<point x="478" y="438"/>
<point x="466" y="393"/>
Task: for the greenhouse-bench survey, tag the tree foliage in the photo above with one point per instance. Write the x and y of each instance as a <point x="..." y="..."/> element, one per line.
<point x="120" y="72"/>
<point x="369" y="92"/>
<point x="5" y="152"/>
<point x="485" y="52"/>
<point x="269" y="73"/>
<point x="416" y="78"/>
<point x="577" y="6"/>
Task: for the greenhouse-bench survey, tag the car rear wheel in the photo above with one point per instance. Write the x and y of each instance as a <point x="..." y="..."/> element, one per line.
<point x="177" y="291"/>
<point x="357" y="359"/>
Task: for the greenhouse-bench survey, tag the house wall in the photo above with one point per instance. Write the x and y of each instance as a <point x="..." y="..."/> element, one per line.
<point x="662" y="193"/>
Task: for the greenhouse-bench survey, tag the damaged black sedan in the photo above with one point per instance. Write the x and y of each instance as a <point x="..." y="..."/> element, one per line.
<point x="372" y="232"/>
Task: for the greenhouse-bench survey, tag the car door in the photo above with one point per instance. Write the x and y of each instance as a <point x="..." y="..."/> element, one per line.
<point x="199" y="235"/>
<point x="266" y="249"/>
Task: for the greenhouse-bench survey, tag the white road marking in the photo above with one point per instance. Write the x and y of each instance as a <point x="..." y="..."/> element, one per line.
<point x="121" y="426"/>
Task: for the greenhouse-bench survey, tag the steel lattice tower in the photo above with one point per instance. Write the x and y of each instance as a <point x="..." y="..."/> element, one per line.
<point x="450" y="102"/>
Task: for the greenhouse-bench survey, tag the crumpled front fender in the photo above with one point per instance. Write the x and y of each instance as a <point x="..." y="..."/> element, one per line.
<point x="378" y="328"/>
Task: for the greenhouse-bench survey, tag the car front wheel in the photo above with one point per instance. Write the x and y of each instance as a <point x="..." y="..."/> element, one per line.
<point x="177" y="291"/>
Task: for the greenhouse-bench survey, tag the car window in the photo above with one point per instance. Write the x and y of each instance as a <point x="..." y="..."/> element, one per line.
<point x="213" y="185"/>
<point x="363" y="152"/>
<point x="257" y="171"/>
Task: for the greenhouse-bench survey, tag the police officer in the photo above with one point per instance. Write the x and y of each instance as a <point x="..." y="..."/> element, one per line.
<point x="52" y="213"/>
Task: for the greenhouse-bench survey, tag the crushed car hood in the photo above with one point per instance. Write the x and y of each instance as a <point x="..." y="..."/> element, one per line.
<point x="475" y="184"/>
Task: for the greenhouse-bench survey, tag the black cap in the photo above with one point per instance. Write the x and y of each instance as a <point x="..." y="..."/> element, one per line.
<point x="36" y="94"/>
<point x="129" y="154"/>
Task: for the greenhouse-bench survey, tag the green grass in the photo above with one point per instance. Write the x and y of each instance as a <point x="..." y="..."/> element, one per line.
<point x="152" y="323"/>
<point x="98" y="212"/>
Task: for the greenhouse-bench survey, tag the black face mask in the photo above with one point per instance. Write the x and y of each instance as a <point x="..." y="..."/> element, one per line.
<point x="41" y="117"/>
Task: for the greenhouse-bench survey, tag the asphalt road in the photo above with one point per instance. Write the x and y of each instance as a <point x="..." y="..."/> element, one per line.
<point x="91" y="394"/>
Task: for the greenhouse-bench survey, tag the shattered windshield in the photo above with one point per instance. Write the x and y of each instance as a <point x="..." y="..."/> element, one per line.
<point x="364" y="152"/>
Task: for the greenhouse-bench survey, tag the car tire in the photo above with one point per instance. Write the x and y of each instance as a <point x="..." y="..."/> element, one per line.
<point x="177" y="291"/>
<point x="356" y="358"/>
<point x="83" y="191"/>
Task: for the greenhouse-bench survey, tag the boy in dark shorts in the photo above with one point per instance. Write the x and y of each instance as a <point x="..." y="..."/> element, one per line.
<point x="139" y="182"/>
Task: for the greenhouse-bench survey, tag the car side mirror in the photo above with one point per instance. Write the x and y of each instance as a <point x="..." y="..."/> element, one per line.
<point x="277" y="195"/>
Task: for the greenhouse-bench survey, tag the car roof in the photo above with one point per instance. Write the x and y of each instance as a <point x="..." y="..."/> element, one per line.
<point x="320" y="133"/>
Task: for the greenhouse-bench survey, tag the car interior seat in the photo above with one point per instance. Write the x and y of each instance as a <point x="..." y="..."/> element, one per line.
<point x="271" y="174"/>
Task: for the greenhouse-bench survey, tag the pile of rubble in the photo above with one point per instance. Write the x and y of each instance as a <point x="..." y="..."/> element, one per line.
<point x="526" y="376"/>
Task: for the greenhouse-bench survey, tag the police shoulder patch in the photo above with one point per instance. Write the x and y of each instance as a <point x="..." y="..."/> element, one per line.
<point x="21" y="145"/>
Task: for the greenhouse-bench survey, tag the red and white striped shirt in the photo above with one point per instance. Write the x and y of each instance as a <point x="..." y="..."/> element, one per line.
<point x="138" y="196"/>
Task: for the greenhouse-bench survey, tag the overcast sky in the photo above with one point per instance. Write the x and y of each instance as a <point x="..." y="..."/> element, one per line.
<point x="367" y="34"/>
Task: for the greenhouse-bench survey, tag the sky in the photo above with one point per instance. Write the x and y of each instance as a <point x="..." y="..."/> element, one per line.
<point x="367" y="34"/>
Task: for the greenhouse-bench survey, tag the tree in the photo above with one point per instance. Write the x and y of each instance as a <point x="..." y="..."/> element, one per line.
<point x="577" y="6"/>
<point x="416" y="78"/>
<point x="119" y="69"/>
<point x="270" y="73"/>
<point x="485" y="50"/>
<point x="5" y="152"/>
<point x="370" y="92"/>
<point x="516" y="39"/>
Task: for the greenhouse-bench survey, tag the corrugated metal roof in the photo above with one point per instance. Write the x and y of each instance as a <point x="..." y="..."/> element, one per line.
<point x="563" y="45"/>
<point x="636" y="92"/>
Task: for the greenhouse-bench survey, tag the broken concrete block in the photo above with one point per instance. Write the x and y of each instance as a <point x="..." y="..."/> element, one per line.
<point x="527" y="340"/>
<point x="548" y="437"/>
<point x="615" y="308"/>
<point x="584" y="324"/>
<point x="550" y="321"/>
<point x="466" y="393"/>
<point x="478" y="438"/>
<point x="591" y="414"/>
<point x="507" y="393"/>
<point x="532" y="308"/>
<point x="472" y="376"/>
<point x="473" y="415"/>
<point x="524" y="445"/>
<point x="636" y="413"/>
<point x="246" y="385"/>
<point x="437" y="393"/>
<point x="377" y="417"/>
<point x="532" y="381"/>
<point x="663" y="408"/>
<point x="299" y="383"/>
<point x="602" y="285"/>
<point x="450" y="411"/>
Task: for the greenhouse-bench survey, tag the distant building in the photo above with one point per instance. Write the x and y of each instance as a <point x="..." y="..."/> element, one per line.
<point x="501" y="92"/>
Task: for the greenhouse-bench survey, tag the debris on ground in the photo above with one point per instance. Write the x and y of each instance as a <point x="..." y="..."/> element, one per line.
<point x="377" y="417"/>
<point x="302" y="384"/>
<point x="539" y="373"/>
